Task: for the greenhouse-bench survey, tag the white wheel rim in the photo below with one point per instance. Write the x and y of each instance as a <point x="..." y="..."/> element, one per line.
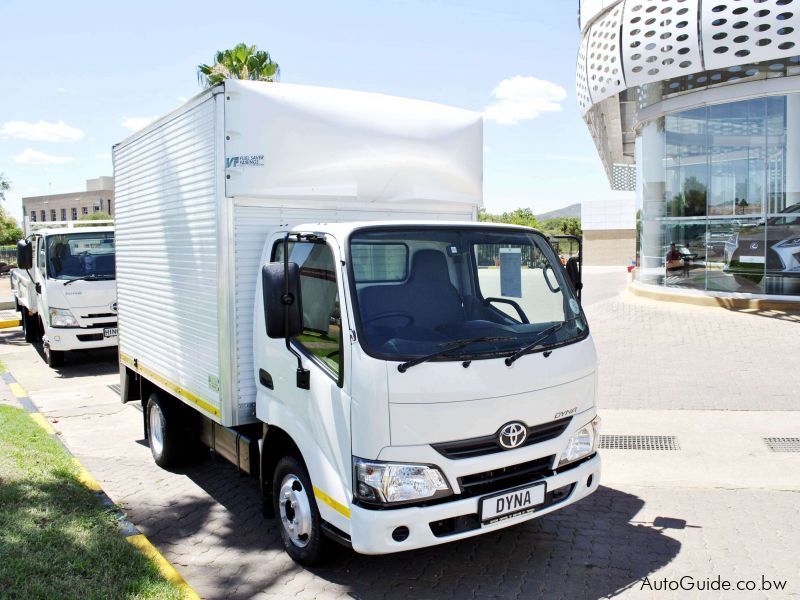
<point x="156" y="431"/>
<point x="295" y="511"/>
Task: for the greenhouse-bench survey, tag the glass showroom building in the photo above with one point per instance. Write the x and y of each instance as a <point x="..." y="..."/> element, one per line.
<point x="700" y="100"/>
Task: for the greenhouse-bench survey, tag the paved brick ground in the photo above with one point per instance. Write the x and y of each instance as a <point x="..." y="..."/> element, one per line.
<point x="207" y="521"/>
<point x="660" y="355"/>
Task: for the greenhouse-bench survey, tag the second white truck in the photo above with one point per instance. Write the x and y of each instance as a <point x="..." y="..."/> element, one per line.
<point x="65" y="289"/>
<point x="304" y="287"/>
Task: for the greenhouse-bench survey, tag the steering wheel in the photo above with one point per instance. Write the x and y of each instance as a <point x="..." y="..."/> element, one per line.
<point x="389" y="315"/>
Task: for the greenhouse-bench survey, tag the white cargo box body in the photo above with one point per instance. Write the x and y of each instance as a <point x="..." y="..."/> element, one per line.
<point x="198" y="191"/>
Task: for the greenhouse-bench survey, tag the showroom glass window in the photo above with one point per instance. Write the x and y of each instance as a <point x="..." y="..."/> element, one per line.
<point x="717" y="182"/>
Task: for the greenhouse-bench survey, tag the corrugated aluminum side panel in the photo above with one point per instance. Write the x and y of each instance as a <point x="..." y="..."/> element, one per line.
<point x="166" y="252"/>
<point x="252" y="225"/>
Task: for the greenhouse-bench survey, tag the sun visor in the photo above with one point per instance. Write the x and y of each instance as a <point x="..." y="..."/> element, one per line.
<point x="285" y="141"/>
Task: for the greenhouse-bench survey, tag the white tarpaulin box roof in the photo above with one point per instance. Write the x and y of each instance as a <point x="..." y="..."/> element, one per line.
<point x="285" y="141"/>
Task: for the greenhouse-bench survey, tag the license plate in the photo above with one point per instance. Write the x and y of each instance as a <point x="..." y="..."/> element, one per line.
<point x="751" y="259"/>
<point x="110" y="332"/>
<point x="511" y="502"/>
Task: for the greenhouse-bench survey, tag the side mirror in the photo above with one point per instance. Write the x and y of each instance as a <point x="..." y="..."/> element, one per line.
<point x="24" y="254"/>
<point x="283" y="304"/>
<point x="573" y="269"/>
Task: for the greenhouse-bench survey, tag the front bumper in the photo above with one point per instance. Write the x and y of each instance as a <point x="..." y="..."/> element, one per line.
<point x="371" y="530"/>
<point x="65" y="339"/>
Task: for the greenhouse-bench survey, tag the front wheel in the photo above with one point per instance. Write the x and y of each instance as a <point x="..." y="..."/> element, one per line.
<point x="298" y="516"/>
<point x="54" y="358"/>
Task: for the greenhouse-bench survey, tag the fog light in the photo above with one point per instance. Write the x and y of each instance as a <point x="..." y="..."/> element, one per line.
<point x="57" y="338"/>
<point x="400" y="534"/>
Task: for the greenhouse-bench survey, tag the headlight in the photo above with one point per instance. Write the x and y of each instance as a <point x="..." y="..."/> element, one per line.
<point x="582" y="443"/>
<point x="61" y="317"/>
<point x="790" y="243"/>
<point x="386" y="483"/>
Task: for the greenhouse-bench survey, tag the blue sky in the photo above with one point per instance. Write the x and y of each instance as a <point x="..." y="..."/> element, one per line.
<point x="75" y="74"/>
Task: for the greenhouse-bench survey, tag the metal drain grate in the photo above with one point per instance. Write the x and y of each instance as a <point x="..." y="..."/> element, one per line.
<point x="639" y="442"/>
<point x="782" y="444"/>
<point x="115" y="388"/>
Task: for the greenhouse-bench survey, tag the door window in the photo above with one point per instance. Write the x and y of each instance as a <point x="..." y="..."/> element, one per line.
<point x="322" y="322"/>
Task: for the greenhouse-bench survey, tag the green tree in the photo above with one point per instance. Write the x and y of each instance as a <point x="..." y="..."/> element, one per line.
<point x="240" y="62"/>
<point x="10" y="231"/>
<point x="97" y="216"/>
<point x="562" y="226"/>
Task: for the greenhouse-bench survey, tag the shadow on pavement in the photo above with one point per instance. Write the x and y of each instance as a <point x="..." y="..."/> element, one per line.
<point x="590" y="549"/>
<point x="78" y="363"/>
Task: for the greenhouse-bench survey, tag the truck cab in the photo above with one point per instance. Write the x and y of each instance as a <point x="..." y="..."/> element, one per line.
<point x="439" y="383"/>
<point x="65" y="288"/>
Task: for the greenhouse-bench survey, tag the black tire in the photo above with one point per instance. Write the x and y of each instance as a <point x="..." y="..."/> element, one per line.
<point x="54" y="358"/>
<point x="311" y="548"/>
<point x="30" y="325"/>
<point x="173" y="432"/>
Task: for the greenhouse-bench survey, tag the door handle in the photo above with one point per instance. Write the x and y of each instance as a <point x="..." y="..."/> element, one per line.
<point x="265" y="379"/>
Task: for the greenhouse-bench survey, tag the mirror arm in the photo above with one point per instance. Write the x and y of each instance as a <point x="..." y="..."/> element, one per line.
<point x="303" y="375"/>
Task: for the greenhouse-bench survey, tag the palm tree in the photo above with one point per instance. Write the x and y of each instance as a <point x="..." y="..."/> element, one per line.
<point x="239" y="62"/>
<point x="5" y="185"/>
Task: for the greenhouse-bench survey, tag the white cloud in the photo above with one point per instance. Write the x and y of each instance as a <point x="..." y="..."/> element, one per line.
<point x="520" y="98"/>
<point x="103" y="156"/>
<point x="34" y="157"/>
<point x="137" y="123"/>
<point x="41" y="131"/>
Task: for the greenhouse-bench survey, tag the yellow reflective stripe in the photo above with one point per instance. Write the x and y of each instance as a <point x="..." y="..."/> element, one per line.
<point x="337" y="506"/>
<point x="172" y="387"/>
<point x="17" y="390"/>
<point x="143" y="545"/>
<point x="6" y="323"/>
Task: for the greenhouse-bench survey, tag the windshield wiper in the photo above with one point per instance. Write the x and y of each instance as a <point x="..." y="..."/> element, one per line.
<point x="457" y="345"/>
<point x="537" y="342"/>
<point x="92" y="277"/>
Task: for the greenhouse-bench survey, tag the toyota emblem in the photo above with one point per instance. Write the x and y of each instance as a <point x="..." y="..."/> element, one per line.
<point x="512" y="435"/>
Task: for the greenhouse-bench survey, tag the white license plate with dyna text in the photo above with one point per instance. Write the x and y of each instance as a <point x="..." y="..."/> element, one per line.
<point x="511" y="502"/>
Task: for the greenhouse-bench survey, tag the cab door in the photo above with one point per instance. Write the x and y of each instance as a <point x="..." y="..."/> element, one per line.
<point x="317" y="418"/>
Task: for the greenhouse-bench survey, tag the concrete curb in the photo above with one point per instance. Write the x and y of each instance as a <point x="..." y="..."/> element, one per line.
<point x="129" y="531"/>
<point x="702" y="299"/>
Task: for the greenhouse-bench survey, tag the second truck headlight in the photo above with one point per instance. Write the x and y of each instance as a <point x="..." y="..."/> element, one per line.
<point x="62" y="317"/>
<point x="582" y="443"/>
<point x="386" y="483"/>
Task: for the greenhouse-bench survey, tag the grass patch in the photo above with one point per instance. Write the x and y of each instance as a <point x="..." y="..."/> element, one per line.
<point x="57" y="540"/>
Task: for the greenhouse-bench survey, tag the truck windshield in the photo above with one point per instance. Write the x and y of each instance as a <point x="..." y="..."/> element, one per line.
<point x="87" y="255"/>
<point x="420" y="290"/>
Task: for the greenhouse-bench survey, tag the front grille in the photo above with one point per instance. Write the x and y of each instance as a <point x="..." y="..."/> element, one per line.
<point x="90" y="337"/>
<point x="100" y="316"/>
<point x="489" y="444"/>
<point x="505" y="477"/>
<point x="95" y="325"/>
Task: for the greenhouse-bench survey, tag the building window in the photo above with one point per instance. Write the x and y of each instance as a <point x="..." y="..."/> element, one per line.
<point x="63" y="214"/>
<point x="33" y="216"/>
<point x="74" y="214"/>
<point x="52" y="214"/>
<point x="44" y="216"/>
<point x="84" y="210"/>
<point x="96" y="209"/>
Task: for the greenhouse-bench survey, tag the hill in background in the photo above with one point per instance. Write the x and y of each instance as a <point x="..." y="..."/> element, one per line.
<point x="573" y="210"/>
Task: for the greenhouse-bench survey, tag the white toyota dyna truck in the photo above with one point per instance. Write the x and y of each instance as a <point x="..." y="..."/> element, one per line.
<point x="64" y="287"/>
<point x="304" y="287"/>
